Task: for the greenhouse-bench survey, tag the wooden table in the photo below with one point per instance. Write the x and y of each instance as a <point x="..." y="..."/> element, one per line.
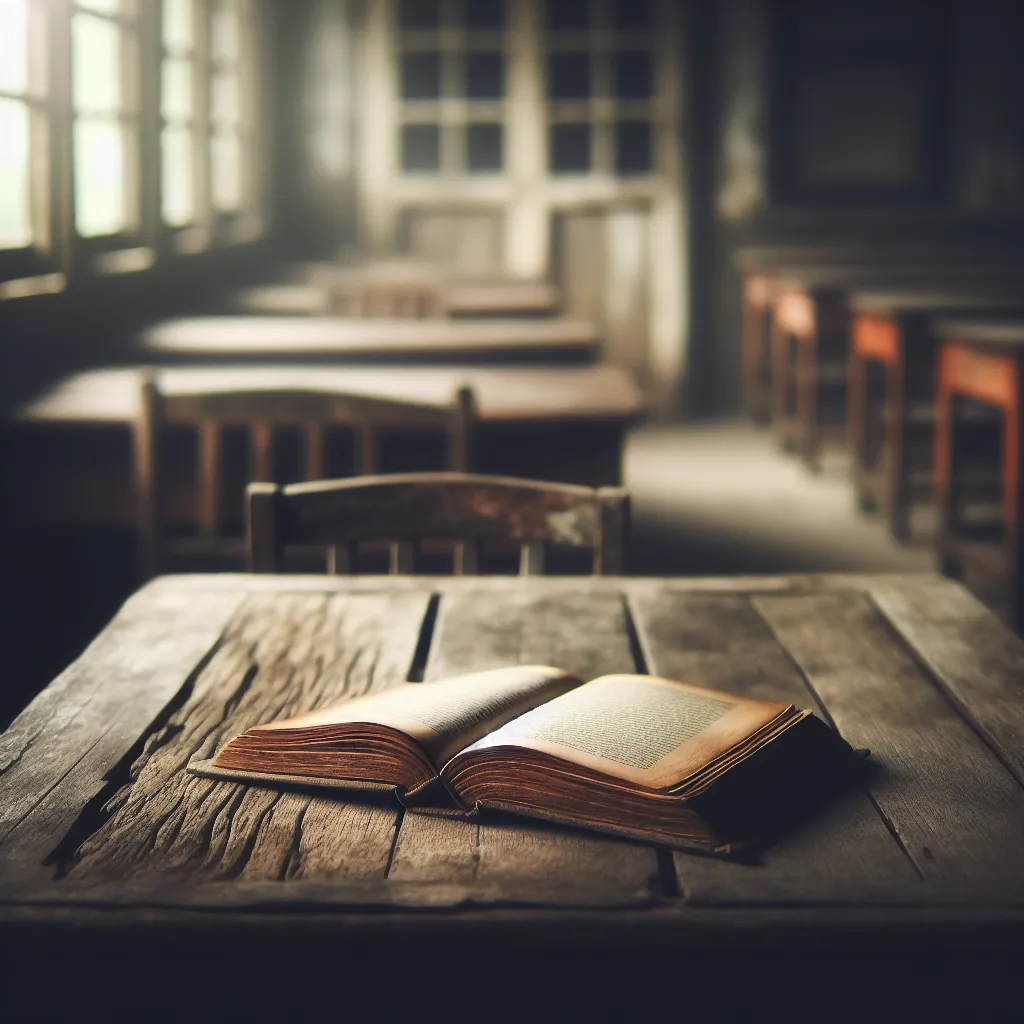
<point x="819" y="276"/>
<point x="346" y="339"/>
<point x="461" y="300"/>
<point x="111" y="853"/>
<point x="554" y="423"/>
<point x="891" y="416"/>
<point x="981" y="363"/>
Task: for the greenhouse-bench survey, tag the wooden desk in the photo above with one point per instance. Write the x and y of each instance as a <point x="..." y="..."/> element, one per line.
<point x="462" y="300"/>
<point x="824" y="273"/>
<point x="553" y="423"/>
<point x="891" y="419"/>
<point x="810" y="343"/>
<point x="110" y="851"/>
<point x="343" y="339"/>
<point x="981" y="363"/>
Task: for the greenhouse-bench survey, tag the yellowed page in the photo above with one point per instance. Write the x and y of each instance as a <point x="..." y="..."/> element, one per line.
<point x="644" y="729"/>
<point x="446" y="716"/>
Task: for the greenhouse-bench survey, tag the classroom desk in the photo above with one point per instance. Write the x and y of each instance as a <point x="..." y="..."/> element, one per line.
<point x="774" y="368"/>
<point x="460" y="300"/>
<point x="554" y="423"/>
<point x="345" y="339"/>
<point x="111" y="854"/>
<point x="891" y="390"/>
<point x="981" y="369"/>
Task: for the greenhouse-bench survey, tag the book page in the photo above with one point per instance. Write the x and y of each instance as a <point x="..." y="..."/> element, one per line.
<point x="640" y="728"/>
<point x="449" y="715"/>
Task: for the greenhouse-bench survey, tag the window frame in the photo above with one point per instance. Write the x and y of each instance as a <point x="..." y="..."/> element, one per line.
<point x="40" y="97"/>
<point x="603" y="110"/>
<point x="453" y="111"/>
<point x="135" y="26"/>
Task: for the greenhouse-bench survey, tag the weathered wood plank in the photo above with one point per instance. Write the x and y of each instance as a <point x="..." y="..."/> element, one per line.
<point x="86" y="721"/>
<point x="279" y="657"/>
<point x="975" y="659"/>
<point x="955" y="808"/>
<point x="845" y="855"/>
<point x="582" y="632"/>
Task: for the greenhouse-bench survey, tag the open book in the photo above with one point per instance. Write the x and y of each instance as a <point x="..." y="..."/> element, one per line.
<point x="634" y="755"/>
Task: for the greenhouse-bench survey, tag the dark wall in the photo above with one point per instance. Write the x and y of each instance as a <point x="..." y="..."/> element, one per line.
<point x="855" y="121"/>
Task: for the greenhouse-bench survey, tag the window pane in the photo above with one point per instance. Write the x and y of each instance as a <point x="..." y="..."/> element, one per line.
<point x="105" y="6"/>
<point x="224" y="100"/>
<point x="421" y="147"/>
<point x="420" y="14"/>
<point x="176" y="89"/>
<point x="485" y="75"/>
<point x="569" y="76"/>
<point x="224" y="32"/>
<point x="569" y="148"/>
<point x="226" y="172"/>
<point x="421" y="76"/>
<point x="633" y="14"/>
<point x="633" y="75"/>
<point x="96" y="64"/>
<point x="178" y="24"/>
<point x="178" y="205"/>
<point x="486" y="15"/>
<point x="568" y="14"/>
<point x="633" y="150"/>
<point x="15" y="221"/>
<point x="13" y="46"/>
<point x="99" y="177"/>
<point x="484" y="148"/>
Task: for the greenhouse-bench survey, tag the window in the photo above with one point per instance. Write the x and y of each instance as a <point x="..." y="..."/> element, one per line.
<point x="451" y="86"/>
<point x="601" y="87"/>
<point x="24" y="124"/>
<point x="178" y="113"/>
<point x="104" y="76"/>
<point x="227" y="134"/>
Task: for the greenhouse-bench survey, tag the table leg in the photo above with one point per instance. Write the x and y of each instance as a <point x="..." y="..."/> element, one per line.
<point x="894" y="456"/>
<point x="944" y="497"/>
<point x="856" y="427"/>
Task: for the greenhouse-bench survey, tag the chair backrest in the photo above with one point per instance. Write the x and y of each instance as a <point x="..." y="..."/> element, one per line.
<point x="390" y="291"/>
<point x="262" y="412"/>
<point x="405" y="509"/>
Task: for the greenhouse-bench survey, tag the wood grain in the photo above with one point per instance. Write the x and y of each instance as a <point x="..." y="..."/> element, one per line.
<point x="287" y="643"/>
<point x="845" y="854"/>
<point x="584" y="633"/>
<point x="56" y="754"/>
<point x="977" y="662"/>
<point x="955" y="809"/>
<point x="279" y="657"/>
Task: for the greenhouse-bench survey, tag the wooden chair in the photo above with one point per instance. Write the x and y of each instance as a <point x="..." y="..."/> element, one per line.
<point x="465" y="508"/>
<point x="261" y="413"/>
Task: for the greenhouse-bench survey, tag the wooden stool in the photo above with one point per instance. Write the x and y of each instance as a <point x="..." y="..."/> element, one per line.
<point x="810" y="348"/>
<point x="981" y="362"/>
